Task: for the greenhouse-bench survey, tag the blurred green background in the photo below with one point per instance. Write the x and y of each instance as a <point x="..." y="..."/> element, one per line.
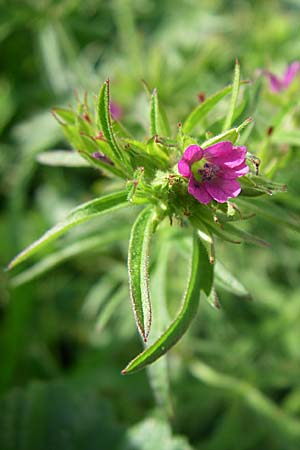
<point x="66" y="334"/>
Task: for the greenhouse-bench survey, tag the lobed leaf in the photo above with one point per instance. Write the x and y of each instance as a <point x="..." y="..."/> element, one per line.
<point x="200" y="279"/>
<point x="81" y="214"/>
<point x="138" y="256"/>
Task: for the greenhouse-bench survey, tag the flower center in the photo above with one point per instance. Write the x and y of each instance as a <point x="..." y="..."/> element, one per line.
<point x="204" y="171"/>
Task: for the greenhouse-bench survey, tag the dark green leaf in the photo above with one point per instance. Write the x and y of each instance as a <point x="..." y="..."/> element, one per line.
<point x="200" y="279"/>
<point x="106" y="125"/>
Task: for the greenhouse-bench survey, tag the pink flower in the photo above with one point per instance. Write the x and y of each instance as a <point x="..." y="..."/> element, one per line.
<point x="278" y="84"/>
<point x="115" y="111"/>
<point x="213" y="171"/>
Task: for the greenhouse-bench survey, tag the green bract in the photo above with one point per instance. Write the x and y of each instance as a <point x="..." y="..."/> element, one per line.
<point x="148" y="171"/>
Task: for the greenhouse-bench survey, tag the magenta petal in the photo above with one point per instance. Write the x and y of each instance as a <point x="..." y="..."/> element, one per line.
<point x="221" y="189"/>
<point x="234" y="158"/>
<point x="275" y="83"/>
<point x="290" y="73"/>
<point x="192" y="154"/>
<point x="198" y="191"/>
<point x="235" y="172"/>
<point x="184" y="168"/>
<point x="115" y="110"/>
<point x="224" y="153"/>
<point x="220" y="149"/>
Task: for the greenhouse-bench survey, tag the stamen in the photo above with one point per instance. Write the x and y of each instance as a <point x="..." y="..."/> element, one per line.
<point x="208" y="172"/>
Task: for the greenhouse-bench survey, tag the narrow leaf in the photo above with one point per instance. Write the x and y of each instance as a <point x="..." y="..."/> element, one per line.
<point x="105" y="121"/>
<point x="158" y="119"/>
<point x="89" y="244"/>
<point x="138" y="256"/>
<point x="61" y="158"/>
<point x="200" y="279"/>
<point x="272" y="211"/>
<point x="100" y="164"/>
<point x="234" y="96"/>
<point x="227" y="281"/>
<point x="204" y="108"/>
<point x="79" y="215"/>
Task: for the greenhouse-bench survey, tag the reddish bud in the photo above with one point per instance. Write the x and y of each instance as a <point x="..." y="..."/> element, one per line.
<point x="201" y="97"/>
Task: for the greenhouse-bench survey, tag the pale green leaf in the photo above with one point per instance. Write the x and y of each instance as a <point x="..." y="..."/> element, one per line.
<point x="81" y="214"/>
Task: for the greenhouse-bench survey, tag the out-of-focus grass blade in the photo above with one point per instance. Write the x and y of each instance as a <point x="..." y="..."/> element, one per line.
<point x="227" y="281"/>
<point x="158" y="119"/>
<point x="79" y="215"/>
<point x="49" y="262"/>
<point x="204" y="108"/>
<point x="291" y="137"/>
<point x="61" y="158"/>
<point x="271" y="211"/>
<point x="234" y="96"/>
<point x="252" y="397"/>
<point x="138" y="259"/>
<point x="244" y="235"/>
<point x="200" y="279"/>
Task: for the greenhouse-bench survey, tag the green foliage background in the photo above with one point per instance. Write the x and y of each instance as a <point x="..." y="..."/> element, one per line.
<point x="65" y="335"/>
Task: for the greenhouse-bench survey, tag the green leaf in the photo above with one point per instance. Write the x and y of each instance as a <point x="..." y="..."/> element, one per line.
<point x="65" y="116"/>
<point x="158" y="373"/>
<point x="234" y="96"/>
<point x="200" y="279"/>
<point x="231" y="233"/>
<point x="106" y="125"/>
<point x="213" y="299"/>
<point x="81" y="214"/>
<point x="227" y="281"/>
<point x="271" y="211"/>
<point x="99" y="164"/>
<point x="158" y="119"/>
<point x="93" y="243"/>
<point x="61" y="158"/>
<point x="204" y="108"/>
<point x="138" y="257"/>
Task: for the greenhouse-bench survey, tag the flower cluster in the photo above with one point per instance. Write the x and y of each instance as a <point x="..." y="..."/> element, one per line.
<point x="212" y="172"/>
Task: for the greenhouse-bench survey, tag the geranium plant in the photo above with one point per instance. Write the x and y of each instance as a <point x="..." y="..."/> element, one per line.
<point x="194" y="179"/>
